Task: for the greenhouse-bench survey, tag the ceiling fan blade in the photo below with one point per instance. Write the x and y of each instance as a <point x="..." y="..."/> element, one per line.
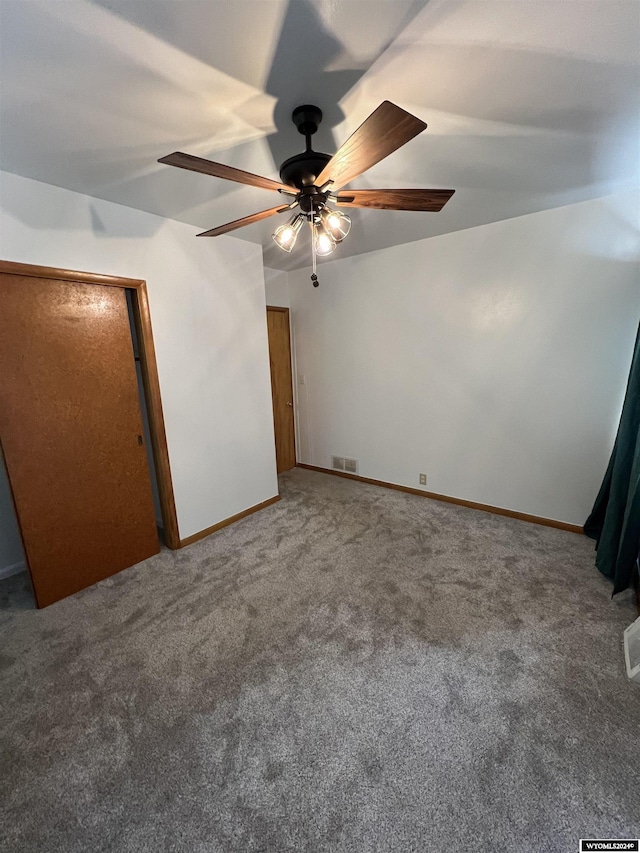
<point x="246" y="220"/>
<point x="428" y="200"/>
<point x="387" y="129"/>
<point x="219" y="170"/>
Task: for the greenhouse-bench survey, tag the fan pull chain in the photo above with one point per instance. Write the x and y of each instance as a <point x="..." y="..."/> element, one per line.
<point x="314" y="277"/>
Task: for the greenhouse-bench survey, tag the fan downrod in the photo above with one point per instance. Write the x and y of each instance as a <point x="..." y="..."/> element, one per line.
<point x="302" y="169"/>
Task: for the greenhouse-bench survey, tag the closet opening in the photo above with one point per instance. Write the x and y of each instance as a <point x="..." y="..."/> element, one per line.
<point x="85" y="482"/>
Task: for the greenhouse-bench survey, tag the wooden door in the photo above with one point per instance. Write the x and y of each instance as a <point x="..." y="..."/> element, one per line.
<point x="71" y="432"/>
<point x="281" y="387"/>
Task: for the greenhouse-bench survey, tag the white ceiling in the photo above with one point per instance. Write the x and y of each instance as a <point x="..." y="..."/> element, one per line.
<point x="530" y="104"/>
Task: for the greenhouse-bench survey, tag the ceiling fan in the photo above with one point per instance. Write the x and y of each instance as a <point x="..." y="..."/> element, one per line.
<point x="311" y="180"/>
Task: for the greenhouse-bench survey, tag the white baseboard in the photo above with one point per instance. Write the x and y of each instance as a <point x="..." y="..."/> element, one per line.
<point x="15" y="569"/>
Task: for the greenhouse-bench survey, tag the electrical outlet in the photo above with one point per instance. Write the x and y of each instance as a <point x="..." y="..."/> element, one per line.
<point x="423" y="479"/>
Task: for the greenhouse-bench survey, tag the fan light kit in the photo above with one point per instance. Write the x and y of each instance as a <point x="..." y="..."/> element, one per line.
<point x="313" y="180"/>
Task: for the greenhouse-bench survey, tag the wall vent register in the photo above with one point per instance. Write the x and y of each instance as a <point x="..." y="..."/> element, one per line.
<point x="342" y="463"/>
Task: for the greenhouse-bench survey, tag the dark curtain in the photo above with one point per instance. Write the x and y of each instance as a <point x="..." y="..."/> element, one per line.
<point x="615" y="519"/>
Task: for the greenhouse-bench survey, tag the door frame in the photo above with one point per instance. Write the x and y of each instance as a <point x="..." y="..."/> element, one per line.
<point x="284" y="310"/>
<point x="148" y="367"/>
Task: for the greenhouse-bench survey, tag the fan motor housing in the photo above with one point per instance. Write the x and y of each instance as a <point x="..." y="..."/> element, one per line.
<point x="302" y="170"/>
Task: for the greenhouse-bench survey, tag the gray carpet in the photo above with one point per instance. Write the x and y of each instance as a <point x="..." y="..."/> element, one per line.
<point x="351" y="669"/>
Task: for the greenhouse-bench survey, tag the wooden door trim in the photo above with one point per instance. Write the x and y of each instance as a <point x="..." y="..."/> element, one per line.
<point x="151" y="384"/>
<point x="287" y="312"/>
<point x="149" y="369"/>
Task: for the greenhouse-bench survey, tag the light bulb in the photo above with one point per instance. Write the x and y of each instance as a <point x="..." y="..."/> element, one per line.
<point x="325" y="244"/>
<point x="338" y="224"/>
<point x="286" y="235"/>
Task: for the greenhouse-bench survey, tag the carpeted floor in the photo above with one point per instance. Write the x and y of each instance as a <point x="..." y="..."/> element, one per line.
<point x="351" y="669"/>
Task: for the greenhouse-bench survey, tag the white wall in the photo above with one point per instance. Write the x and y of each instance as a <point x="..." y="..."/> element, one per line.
<point x="493" y="359"/>
<point x="276" y="285"/>
<point x="207" y="306"/>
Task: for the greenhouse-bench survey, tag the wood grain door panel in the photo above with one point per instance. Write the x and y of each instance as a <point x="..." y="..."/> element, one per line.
<point x="281" y="387"/>
<point x="71" y="432"/>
